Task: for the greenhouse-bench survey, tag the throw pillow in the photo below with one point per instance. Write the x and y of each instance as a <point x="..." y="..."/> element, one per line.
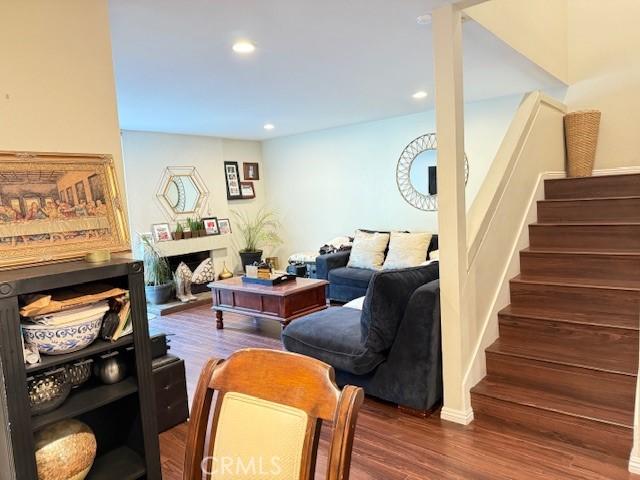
<point x="368" y="250"/>
<point x="435" y="255"/>
<point x="355" y="303"/>
<point x="183" y="271"/>
<point x="204" y="273"/>
<point x="407" y="250"/>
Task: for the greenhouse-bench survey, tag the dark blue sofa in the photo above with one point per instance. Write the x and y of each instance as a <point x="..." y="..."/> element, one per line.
<point x="347" y="283"/>
<point x="391" y="348"/>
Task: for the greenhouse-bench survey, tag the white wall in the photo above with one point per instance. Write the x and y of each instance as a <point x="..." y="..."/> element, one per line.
<point x="535" y="28"/>
<point x="330" y="182"/>
<point x="57" y="90"/>
<point x="604" y="65"/>
<point x="146" y="156"/>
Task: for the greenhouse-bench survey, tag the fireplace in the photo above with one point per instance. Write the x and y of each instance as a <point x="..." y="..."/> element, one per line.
<point x="192" y="260"/>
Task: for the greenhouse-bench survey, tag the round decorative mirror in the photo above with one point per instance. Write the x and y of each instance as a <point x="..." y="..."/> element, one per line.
<point x="416" y="173"/>
<point x="181" y="192"/>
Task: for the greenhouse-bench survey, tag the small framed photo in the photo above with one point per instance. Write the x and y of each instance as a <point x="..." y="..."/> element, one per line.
<point x="211" y="226"/>
<point x="224" y="225"/>
<point x="251" y="171"/>
<point x="247" y="190"/>
<point x="231" y="175"/>
<point x="161" y="232"/>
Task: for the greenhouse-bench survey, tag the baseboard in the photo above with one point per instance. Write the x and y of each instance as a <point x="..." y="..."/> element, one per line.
<point x="617" y="171"/>
<point x="457" y="416"/>
<point x="634" y="462"/>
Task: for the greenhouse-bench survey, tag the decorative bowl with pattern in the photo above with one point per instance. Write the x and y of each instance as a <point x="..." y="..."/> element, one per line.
<point x="48" y="391"/>
<point x="59" y="339"/>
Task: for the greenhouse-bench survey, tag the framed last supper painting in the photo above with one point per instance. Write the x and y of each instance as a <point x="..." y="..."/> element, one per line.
<point x="56" y="207"/>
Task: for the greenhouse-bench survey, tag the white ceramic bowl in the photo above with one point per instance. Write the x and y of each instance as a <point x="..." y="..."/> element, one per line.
<point x="56" y="340"/>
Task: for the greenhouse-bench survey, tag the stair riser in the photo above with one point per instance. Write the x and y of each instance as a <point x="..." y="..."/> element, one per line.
<point x="586" y="237"/>
<point x="605" y="210"/>
<point x="596" y="386"/>
<point x="588" y="267"/>
<point x="590" y="434"/>
<point x="588" y="300"/>
<point x="616" y="340"/>
<point x="593" y="187"/>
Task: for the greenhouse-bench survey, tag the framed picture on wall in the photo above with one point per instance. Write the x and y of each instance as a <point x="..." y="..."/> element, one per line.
<point x="161" y="232"/>
<point x="211" y="226"/>
<point x="48" y="212"/>
<point x="232" y="178"/>
<point x="247" y="190"/>
<point x="224" y="225"/>
<point x="251" y="171"/>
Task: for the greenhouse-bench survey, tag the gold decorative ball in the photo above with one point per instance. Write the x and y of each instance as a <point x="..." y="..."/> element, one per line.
<point x="65" y="451"/>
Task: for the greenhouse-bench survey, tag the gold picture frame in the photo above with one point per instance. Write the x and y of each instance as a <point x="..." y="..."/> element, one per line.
<point x="45" y="216"/>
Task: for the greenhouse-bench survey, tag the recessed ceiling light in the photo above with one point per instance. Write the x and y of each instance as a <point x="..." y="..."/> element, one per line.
<point x="424" y="19"/>
<point x="243" y="47"/>
<point x="420" y="94"/>
<point x="269" y="126"/>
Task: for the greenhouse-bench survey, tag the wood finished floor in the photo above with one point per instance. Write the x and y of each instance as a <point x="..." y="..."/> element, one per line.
<point x="388" y="445"/>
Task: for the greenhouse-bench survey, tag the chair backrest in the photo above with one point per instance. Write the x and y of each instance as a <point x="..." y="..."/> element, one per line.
<point x="267" y="416"/>
<point x="387" y="299"/>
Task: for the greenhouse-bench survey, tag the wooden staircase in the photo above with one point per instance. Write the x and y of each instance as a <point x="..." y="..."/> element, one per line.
<point x="566" y="363"/>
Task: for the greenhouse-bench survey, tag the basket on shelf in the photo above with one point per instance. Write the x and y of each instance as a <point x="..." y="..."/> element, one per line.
<point x="581" y="136"/>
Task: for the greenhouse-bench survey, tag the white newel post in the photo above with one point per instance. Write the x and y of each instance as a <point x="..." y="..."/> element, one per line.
<point x="452" y="224"/>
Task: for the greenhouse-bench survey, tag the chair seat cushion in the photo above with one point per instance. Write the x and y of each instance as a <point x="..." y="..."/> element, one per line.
<point x="333" y="336"/>
<point x="354" y="277"/>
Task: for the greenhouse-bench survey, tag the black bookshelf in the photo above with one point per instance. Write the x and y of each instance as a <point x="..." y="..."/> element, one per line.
<point x="127" y="406"/>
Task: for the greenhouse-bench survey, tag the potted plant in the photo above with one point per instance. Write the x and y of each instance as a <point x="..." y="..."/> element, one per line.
<point x="257" y="231"/>
<point x="198" y="226"/>
<point x="157" y="274"/>
<point x="188" y="233"/>
<point x="179" y="232"/>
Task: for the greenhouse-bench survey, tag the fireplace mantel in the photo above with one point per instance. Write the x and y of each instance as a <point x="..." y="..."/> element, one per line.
<point x="173" y="248"/>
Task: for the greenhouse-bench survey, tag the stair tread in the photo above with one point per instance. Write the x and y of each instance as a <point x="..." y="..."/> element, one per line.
<point x="577" y="282"/>
<point x="581" y="355"/>
<point x="552" y="401"/>
<point x="592" y="177"/>
<point x="588" y="199"/>
<point x="629" y="323"/>
<point x="583" y="223"/>
<point x="560" y="251"/>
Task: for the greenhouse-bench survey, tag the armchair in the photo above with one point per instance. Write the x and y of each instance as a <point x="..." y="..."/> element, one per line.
<point x="391" y="348"/>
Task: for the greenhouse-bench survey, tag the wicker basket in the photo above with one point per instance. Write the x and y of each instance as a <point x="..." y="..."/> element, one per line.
<point x="581" y="135"/>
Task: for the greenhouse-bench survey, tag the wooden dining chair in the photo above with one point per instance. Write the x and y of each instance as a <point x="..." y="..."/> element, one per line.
<point x="267" y="416"/>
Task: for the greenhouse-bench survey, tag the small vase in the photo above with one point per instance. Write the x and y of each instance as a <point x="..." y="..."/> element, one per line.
<point x="225" y="273"/>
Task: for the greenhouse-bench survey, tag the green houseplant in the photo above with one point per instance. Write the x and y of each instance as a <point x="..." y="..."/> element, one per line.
<point x="197" y="227"/>
<point x="257" y="231"/>
<point x="179" y="232"/>
<point x="158" y="278"/>
<point x="188" y="233"/>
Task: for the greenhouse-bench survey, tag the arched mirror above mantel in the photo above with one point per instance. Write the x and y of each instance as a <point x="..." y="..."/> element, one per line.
<point x="417" y="170"/>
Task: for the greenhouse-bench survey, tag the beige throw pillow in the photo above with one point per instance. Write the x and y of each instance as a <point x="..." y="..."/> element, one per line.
<point x="407" y="250"/>
<point x="368" y="250"/>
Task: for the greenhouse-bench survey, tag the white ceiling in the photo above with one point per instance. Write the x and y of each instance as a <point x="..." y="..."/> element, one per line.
<point x="318" y="64"/>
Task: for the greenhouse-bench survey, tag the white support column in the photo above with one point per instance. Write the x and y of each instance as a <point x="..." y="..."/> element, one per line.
<point x="452" y="223"/>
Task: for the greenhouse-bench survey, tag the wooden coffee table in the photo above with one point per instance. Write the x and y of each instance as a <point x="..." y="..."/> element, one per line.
<point x="284" y="302"/>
